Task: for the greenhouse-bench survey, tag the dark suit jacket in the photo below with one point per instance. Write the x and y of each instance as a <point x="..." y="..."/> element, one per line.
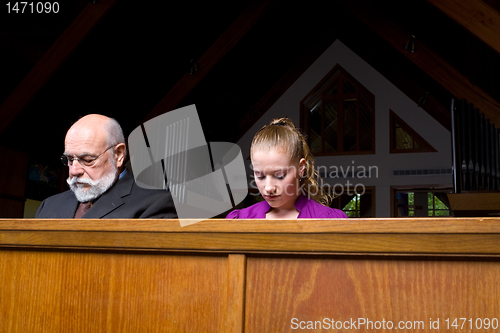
<point x="123" y="200"/>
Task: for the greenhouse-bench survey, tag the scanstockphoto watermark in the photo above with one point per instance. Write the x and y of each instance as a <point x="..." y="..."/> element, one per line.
<point x="338" y="188"/>
<point x="362" y="324"/>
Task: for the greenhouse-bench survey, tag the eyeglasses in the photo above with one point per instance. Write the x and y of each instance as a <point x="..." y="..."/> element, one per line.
<point x="84" y="160"/>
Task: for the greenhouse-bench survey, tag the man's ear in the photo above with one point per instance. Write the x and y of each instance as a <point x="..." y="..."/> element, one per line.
<point x="120" y="150"/>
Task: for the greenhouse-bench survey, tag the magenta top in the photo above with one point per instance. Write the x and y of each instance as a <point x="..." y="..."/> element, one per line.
<point x="308" y="208"/>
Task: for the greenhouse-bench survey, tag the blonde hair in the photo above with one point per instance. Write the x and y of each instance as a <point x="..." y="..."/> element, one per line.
<point x="282" y="135"/>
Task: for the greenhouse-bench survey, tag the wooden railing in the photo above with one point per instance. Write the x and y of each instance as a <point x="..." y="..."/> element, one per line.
<point x="248" y="275"/>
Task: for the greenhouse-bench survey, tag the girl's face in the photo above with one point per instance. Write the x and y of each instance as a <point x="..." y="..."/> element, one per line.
<point x="277" y="177"/>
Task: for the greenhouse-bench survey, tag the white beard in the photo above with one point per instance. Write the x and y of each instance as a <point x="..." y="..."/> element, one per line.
<point x="95" y="190"/>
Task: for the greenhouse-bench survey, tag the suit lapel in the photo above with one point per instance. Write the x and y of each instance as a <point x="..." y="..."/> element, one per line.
<point x="112" y="199"/>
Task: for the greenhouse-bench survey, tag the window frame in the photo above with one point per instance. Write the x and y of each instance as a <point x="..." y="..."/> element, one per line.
<point x="368" y="190"/>
<point x="318" y="92"/>
<point x="425" y="147"/>
<point x="427" y="189"/>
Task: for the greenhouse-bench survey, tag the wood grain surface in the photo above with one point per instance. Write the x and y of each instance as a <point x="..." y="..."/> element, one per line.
<point x="476" y="16"/>
<point x="394" y="236"/>
<point x="280" y="289"/>
<point x="472" y="225"/>
<point x="475" y="201"/>
<point x="104" y="292"/>
<point x="425" y="58"/>
<point x="246" y="275"/>
<point x="236" y="293"/>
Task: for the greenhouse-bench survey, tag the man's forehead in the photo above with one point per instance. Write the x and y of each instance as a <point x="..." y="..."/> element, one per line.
<point x="80" y="141"/>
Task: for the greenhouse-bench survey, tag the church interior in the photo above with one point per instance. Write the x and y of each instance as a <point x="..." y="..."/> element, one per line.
<point x="399" y="102"/>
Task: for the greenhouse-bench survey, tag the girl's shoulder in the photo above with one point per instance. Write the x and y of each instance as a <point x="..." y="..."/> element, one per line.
<point x="315" y="210"/>
<point x="256" y="211"/>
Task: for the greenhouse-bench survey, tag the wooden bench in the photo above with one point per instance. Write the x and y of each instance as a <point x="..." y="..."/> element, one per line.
<point x="249" y="275"/>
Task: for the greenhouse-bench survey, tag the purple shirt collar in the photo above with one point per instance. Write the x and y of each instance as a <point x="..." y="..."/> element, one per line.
<point x="308" y="208"/>
<point x="300" y="202"/>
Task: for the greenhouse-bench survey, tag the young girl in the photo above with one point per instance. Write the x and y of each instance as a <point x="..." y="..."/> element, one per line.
<point x="286" y="178"/>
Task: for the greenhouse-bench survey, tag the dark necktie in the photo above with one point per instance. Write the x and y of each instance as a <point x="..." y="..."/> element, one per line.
<point x="82" y="209"/>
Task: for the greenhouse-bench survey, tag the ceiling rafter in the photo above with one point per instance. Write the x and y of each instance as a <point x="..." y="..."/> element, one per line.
<point x="211" y="57"/>
<point x="476" y="16"/>
<point x="415" y="91"/>
<point x="52" y="60"/>
<point x="377" y="55"/>
<point x="437" y="68"/>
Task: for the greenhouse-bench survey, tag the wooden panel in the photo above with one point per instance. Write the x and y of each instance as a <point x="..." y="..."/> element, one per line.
<point x="475" y="204"/>
<point x="236" y="293"/>
<point x="474" y="201"/>
<point x="118" y="290"/>
<point x="280" y="289"/>
<point x="106" y="292"/>
<point x="476" y="16"/>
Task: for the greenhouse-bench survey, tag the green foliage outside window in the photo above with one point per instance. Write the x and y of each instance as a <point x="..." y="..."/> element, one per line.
<point x="435" y="205"/>
<point x="352" y="208"/>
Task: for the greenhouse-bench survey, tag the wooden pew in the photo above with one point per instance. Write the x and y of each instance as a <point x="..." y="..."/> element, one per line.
<point x="250" y="275"/>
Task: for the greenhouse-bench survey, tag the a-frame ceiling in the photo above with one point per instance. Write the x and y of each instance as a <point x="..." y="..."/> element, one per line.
<point x="132" y="59"/>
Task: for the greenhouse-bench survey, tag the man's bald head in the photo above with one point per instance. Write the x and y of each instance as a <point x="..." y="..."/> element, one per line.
<point x="95" y="124"/>
<point x="95" y="145"/>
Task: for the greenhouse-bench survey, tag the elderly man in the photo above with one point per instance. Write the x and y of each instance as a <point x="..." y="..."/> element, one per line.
<point x="101" y="187"/>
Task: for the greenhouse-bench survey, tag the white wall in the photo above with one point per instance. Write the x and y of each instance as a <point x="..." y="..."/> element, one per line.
<point x="387" y="96"/>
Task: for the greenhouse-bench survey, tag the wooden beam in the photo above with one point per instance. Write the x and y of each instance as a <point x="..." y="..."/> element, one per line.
<point x="494" y="4"/>
<point x="475" y="201"/>
<point x="136" y="227"/>
<point x="211" y="57"/>
<point x="412" y="236"/>
<point x="52" y="60"/>
<point x="476" y="16"/>
<point x="434" y="108"/>
<point x="373" y="53"/>
<point x="447" y="76"/>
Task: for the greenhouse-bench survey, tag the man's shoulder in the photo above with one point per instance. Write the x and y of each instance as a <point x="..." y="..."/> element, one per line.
<point x="148" y="193"/>
<point x="62" y="205"/>
<point x="63" y="196"/>
<point x="139" y="202"/>
<point x="127" y="183"/>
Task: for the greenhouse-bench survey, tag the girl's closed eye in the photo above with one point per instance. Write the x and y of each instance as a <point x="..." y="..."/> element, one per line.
<point x="258" y="175"/>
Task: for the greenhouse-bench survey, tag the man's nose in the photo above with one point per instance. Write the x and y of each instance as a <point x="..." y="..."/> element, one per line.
<point x="76" y="169"/>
